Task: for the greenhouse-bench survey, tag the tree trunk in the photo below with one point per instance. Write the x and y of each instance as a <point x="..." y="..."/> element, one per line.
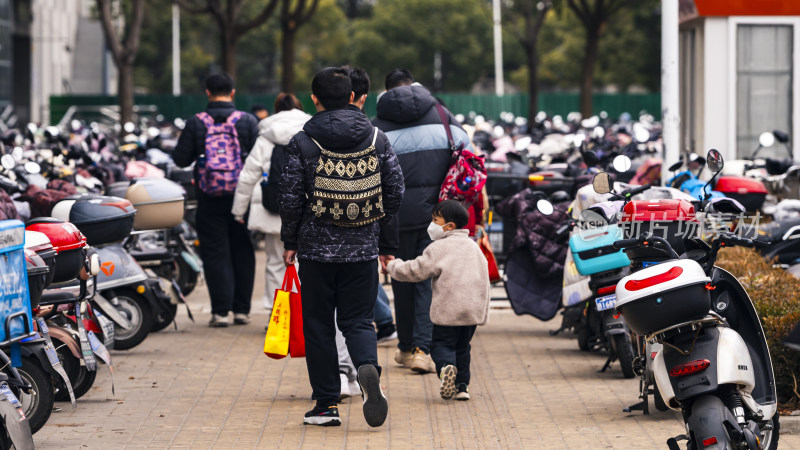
<point x="533" y="80"/>
<point x="125" y="91"/>
<point x="587" y="75"/>
<point x="229" y="42"/>
<point x="287" y="59"/>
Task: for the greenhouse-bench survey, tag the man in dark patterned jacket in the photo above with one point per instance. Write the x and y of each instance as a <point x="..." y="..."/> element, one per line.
<point x="338" y="264"/>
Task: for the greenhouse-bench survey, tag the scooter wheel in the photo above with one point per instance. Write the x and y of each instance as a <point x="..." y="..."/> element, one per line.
<point x="164" y="319"/>
<point x="81" y="378"/>
<point x="624" y="350"/>
<point x="583" y="338"/>
<point x="186" y="277"/>
<point x="136" y="309"/>
<point x="38" y="403"/>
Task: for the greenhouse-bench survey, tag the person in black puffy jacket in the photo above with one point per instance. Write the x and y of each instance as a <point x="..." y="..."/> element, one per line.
<point x="339" y="261"/>
<point x="407" y="114"/>
<point x="229" y="278"/>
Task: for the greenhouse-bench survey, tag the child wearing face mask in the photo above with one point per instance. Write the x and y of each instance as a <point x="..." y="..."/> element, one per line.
<point x="460" y="279"/>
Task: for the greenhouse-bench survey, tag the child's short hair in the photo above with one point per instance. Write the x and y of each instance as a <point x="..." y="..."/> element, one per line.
<point x="452" y="211"/>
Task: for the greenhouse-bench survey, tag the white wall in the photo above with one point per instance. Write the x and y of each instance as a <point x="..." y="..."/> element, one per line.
<point x="715" y="93"/>
<point x="53" y="33"/>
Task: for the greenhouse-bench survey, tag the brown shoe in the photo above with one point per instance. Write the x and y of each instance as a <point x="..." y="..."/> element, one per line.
<point x="403" y="358"/>
<point x="421" y="362"/>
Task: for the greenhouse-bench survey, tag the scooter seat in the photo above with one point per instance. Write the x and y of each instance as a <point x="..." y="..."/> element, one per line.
<point x="57" y="298"/>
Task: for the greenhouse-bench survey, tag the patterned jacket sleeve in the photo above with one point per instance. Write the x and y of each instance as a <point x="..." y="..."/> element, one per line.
<point x="293" y="196"/>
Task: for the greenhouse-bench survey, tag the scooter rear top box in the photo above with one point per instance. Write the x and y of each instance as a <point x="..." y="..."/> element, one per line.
<point x="15" y="304"/>
<point x="671" y="219"/>
<point x="593" y="252"/>
<point x="38" y="272"/>
<point x="663" y="295"/>
<point x="68" y="242"/>
<point x="750" y="192"/>
<point x="160" y="203"/>
<point x="40" y="243"/>
<point x="102" y="219"/>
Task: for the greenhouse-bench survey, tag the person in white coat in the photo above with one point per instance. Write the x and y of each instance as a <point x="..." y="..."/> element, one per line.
<point x="276" y="129"/>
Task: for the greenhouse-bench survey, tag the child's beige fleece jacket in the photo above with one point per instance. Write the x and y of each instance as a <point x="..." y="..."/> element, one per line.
<point x="460" y="276"/>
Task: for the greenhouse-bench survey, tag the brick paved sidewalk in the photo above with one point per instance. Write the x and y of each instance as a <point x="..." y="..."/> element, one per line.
<point x="203" y="388"/>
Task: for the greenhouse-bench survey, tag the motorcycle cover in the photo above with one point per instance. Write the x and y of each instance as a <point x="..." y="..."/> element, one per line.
<point x="539" y="297"/>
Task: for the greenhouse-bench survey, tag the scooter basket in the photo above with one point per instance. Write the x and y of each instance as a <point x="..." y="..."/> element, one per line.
<point x="101" y="219"/>
<point x="68" y="242"/>
<point x="593" y="252"/>
<point x="15" y="305"/>
<point x="664" y="295"/>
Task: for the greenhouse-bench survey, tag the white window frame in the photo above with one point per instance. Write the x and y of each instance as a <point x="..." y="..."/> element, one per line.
<point x="733" y="25"/>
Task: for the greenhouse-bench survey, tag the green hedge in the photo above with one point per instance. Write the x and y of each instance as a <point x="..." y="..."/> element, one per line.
<point x="489" y="105"/>
<point x="774" y="293"/>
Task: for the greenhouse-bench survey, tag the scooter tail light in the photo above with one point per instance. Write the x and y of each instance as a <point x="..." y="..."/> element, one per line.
<point x="607" y="290"/>
<point x="710" y="441"/>
<point x="671" y="274"/>
<point x="689" y="368"/>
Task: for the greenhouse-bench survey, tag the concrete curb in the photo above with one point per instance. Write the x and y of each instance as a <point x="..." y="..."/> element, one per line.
<point x="790" y="424"/>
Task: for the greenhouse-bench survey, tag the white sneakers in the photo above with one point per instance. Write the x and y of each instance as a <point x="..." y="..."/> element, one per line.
<point x="350" y="388"/>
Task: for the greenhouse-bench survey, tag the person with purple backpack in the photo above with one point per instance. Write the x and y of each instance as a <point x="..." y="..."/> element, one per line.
<point x="217" y="141"/>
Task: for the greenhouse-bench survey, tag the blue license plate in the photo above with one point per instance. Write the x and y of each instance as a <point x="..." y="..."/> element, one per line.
<point x="648" y="264"/>
<point x="607" y="302"/>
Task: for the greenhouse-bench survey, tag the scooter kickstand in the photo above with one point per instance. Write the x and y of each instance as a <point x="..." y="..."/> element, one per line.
<point x="672" y="442"/>
<point x="610" y="360"/>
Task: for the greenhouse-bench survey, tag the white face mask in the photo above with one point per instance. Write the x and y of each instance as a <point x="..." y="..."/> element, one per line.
<point x="435" y="231"/>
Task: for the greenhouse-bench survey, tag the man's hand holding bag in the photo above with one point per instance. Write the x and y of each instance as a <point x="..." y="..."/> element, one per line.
<point x="285" y="331"/>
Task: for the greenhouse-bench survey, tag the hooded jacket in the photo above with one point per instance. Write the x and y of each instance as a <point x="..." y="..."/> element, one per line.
<point x="537" y="233"/>
<point x="277" y="129"/>
<point x="341" y="131"/>
<point x="408" y="117"/>
<point x="192" y="141"/>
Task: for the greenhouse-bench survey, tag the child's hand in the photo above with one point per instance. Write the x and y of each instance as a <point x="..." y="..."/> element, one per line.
<point x="384" y="259"/>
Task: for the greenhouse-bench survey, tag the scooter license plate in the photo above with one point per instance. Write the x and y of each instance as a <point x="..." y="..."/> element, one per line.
<point x="648" y="264"/>
<point x="607" y="302"/>
<point x="6" y="392"/>
<point x="108" y="328"/>
<point x="52" y="356"/>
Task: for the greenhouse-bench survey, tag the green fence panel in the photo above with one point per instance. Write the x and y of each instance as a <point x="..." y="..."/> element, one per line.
<point x="490" y="106"/>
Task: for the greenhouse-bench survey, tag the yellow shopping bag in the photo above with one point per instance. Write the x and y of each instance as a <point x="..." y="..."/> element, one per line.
<point x="276" y="344"/>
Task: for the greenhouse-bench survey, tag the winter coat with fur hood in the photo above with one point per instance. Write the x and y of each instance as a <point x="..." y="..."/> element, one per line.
<point x="277" y="129"/>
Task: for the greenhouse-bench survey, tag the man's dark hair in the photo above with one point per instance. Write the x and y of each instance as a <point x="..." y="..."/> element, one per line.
<point x="219" y="84"/>
<point x="452" y="211"/>
<point x="398" y="77"/>
<point x="360" y="81"/>
<point x="332" y="87"/>
<point x="257" y="107"/>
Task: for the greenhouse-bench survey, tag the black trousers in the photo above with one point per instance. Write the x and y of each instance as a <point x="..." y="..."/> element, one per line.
<point x="229" y="261"/>
<point x="350" y="289"/>
<point x="412" y="301"/>
<point x="451" y="345"/>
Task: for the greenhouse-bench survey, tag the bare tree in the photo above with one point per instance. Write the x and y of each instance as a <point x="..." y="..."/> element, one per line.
<point x="123" y="50"/>
<point x="594" y="16"/>
<point x="291" y="20"/>
<point x="227" y="15"/>
<point x="526" y="18"/>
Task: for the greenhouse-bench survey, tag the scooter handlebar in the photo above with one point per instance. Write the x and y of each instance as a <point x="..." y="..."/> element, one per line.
<point x="637" y="190"/>
<point x="625" y="243"/>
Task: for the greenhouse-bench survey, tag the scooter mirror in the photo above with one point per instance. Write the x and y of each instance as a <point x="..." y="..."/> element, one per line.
<point x="8" y="162"/>
<point x="602" y="183"/>
<point x="17" y="153"/>
<point x="621" y="163"/>
<point x="544" y="207"/>
<point x="640" y="133"/>
<point x="766" y="139"/>
<point x="32" y="167"/>
<point x="714" y="160"/>
<point x="675" y="166"/>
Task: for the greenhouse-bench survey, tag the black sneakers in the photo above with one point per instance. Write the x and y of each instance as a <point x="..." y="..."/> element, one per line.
<point x="463" y="392"/>
<point x="375" y="405"/>
<point x="326" y="416"/>
<point x="386" y="332"/>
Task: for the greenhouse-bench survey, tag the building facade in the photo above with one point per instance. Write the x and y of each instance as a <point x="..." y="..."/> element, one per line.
<point x="740" y="74"/>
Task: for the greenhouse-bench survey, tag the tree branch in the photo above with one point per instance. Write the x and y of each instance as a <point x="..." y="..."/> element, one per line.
<point x="104" y="7"/>
<point x="310" y="12"/>
<point x="582" y="14"/>
<point x="257" y="21"/>
<point x="135" y="31"/>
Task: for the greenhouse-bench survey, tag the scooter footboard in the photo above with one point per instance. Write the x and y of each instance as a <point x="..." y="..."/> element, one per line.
<point x="710" y="421"/>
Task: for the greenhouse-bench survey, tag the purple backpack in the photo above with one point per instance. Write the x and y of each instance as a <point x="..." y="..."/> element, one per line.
<point x="223" y="157"/>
